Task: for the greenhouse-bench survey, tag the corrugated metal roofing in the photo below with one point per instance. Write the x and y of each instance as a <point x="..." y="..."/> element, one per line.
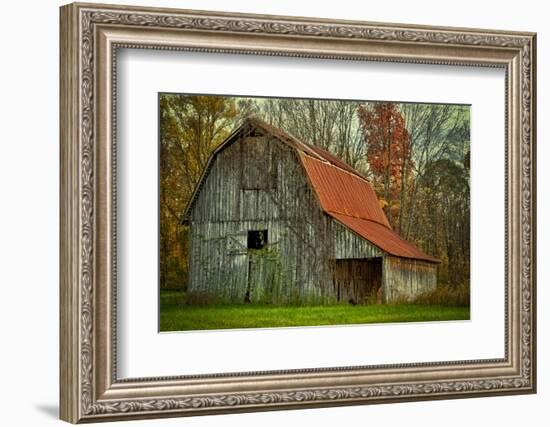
<point x="385" y="238"/>
<point x="342" y="192"/>
<point x="331" y="158"/>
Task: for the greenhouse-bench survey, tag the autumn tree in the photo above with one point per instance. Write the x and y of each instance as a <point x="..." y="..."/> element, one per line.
<point x="388" y="153"/>
<point x="191" y="127"/>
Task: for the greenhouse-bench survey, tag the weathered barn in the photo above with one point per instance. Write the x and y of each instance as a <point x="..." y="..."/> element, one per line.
<point x="276" y="220"/>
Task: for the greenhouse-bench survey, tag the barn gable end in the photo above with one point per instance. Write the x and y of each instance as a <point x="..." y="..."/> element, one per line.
<point x="256" y="185"/>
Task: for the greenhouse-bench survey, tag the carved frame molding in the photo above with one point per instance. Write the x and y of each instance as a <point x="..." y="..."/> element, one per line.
<point x="90" y="37"/>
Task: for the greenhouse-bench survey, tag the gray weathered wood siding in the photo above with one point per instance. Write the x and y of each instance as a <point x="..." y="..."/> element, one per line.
<point x="347" y="244"/>
<point x="403" y="278"/>
<point x="257" y="183"/>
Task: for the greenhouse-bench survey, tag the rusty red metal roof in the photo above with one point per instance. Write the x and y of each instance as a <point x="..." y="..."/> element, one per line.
<point x="350" y="199"/>
<point x="331" y="158"/>
<point x="342" y="192"/>
<point x="385" y="238"/>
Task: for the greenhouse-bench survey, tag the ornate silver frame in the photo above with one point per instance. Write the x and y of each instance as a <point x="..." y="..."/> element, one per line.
<point x="90" y="36"/>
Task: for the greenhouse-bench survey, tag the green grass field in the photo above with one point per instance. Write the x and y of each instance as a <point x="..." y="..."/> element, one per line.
<point x="175" y="315"/>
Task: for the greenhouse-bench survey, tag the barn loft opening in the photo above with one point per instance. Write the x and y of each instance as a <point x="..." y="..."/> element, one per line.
<point x="257" y="239"/>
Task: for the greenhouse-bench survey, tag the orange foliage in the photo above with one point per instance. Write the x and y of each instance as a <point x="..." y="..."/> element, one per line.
<point x="388" y="148"/>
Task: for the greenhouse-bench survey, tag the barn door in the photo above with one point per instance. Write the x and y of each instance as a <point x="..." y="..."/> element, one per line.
<point x="374" y="281"/>
<point x="358" y="281"/>
<point x="254" y="277"/>
<point x="260" y="271"/>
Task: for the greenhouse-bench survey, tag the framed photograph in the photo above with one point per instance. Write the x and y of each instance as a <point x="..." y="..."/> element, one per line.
<point x="266" y="212"/>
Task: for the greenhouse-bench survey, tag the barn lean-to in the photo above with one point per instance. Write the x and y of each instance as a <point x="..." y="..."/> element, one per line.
<point x="276" y="220"/>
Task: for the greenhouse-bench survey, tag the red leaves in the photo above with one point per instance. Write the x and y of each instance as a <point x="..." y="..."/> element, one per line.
<point x="388" y="146"/>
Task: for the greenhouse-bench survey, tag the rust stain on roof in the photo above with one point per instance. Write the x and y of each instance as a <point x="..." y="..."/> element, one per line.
<point x="331" y="158"/>
<point x="342" y="192"/>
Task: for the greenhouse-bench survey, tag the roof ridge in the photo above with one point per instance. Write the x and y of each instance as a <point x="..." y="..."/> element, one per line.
<point x="350" y="169"/>
<point x="278" y="133"/>
<point x="356" y="174"/>
<point x="306" y="147"/>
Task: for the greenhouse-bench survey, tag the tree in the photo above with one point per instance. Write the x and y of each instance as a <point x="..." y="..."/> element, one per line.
<point x="388" y="152"/>
<point x="329" y="124"/>
<point x="445" y="217"/>
<point x="191" y="127"/>
<point x="437" y="131"/>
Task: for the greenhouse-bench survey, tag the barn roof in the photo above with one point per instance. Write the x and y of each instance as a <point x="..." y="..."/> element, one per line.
<point x="343" y="193"/>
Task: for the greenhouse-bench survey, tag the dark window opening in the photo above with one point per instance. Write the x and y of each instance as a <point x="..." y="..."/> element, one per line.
<point x="257" y="239"/>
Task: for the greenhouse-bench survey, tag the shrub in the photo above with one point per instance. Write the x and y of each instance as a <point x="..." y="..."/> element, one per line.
<point x="201" y="298"/>
<point x="446" y="295"/>
<point x="173" y="276"/>
<point x="172" y="298"/>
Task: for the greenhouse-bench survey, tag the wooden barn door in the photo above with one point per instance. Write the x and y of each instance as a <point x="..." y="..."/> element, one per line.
<point x="261" y="269"/>
<point x="374" y="280"/>
<point x="358" y="281"/>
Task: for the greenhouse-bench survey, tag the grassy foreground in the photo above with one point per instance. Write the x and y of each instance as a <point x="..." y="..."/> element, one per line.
<point x="175" y="315"/>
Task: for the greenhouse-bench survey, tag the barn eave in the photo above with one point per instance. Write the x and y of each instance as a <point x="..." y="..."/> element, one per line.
<point x="395" y="252"/>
